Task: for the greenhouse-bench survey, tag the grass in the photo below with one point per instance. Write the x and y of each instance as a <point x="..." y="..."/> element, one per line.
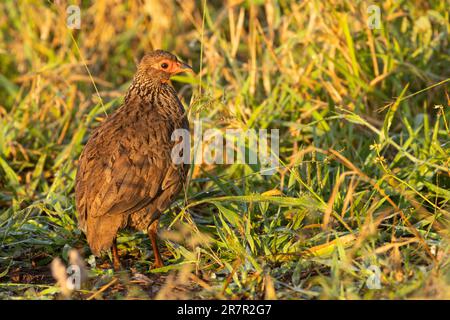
<point x="363" y="182"/>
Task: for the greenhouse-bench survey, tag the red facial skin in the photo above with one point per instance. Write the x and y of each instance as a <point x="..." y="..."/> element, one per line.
<point x="173" y="67"/>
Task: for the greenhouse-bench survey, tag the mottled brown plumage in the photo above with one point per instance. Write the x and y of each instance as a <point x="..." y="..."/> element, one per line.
<point x="126" y="176"/>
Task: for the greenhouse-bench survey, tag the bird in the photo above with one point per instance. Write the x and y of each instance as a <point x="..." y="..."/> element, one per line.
<point x="126" y="176"/>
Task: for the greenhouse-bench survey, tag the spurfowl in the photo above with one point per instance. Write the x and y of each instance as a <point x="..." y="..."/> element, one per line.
<point x="126" y="176"/>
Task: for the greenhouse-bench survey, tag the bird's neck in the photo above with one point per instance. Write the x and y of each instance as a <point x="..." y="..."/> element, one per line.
<point x="144" y="92"/>
<point x="155" y="96"/>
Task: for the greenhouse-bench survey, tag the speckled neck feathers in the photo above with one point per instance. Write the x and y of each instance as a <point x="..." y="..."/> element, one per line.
<point x="152" y="91"/>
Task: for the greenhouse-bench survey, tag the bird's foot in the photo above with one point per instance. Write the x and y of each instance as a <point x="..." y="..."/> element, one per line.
<point x="117" y="266"/>
<point x="158" y="264"/>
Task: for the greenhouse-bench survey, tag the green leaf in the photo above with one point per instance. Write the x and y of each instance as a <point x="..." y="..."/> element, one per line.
<point x="10" y="174"/>
<point x="390" y="116"/>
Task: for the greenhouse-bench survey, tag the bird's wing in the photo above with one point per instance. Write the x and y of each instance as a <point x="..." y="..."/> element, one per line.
<point x="122" y="173"/>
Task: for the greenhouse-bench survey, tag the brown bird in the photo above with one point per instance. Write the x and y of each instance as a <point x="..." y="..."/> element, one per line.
<point x="126" y="176"/>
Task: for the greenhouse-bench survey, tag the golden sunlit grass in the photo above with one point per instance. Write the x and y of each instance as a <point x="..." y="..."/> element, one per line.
<point x="364" y="147"/>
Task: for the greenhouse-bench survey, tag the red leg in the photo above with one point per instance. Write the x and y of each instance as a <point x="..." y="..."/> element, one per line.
<point x="115" y="255"/>
<point x="153" y="234"/>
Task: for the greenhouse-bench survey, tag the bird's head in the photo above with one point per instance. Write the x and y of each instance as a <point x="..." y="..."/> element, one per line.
<point x="160" y="65"/>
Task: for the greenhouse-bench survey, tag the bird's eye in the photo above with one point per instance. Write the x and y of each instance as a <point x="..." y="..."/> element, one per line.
<point x="164" y="65"/>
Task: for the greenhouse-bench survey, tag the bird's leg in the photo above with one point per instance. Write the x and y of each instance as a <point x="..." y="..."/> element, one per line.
<point x="115" y="255"/>
<point x="153" y="234"/>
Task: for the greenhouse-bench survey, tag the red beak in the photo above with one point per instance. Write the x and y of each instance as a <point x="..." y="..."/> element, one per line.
<point x="181" y="67"/>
